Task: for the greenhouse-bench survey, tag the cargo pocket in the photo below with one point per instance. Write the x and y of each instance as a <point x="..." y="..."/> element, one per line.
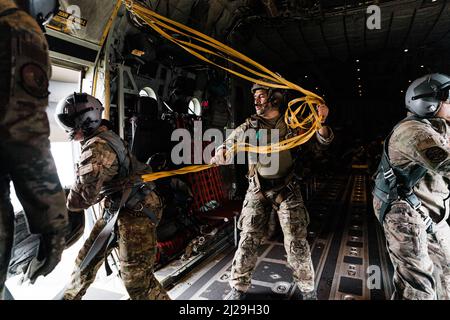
<point x="254" y="217"/>
<point x="404" y="232"/>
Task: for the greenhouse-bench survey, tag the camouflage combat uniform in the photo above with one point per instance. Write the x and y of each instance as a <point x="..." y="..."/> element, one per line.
<point x="25" y="157"/>
<point x="281" y="194"/>
<point x="99" y="166"/>
<point x="421" y="260"/>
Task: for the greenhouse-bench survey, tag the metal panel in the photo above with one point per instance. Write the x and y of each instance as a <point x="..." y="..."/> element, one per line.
<point x="94" y="17"/>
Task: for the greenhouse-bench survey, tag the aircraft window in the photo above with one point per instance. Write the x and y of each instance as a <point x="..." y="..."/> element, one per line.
<point x="148" y="92"/>
<point x="195" y="107"/>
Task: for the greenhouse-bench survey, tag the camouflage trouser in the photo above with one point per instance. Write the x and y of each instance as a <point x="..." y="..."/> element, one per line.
<point x="254" y="224"/>
<point x="137" y="251"/>
<point x="421" y="261"/>
<point x="25" y="159"/>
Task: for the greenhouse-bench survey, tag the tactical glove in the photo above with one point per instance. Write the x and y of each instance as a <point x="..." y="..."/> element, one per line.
<point x="50" y="249"/>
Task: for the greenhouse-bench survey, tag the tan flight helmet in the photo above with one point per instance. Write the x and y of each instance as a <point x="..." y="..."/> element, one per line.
<point x="275" y="96"/>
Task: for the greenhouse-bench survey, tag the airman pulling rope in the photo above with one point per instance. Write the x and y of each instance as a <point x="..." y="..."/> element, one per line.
<point x="203" y="47"/>
<point x="309" y="124"/>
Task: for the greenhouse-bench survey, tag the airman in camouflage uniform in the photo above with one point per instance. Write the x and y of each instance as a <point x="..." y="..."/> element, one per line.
<point x="25" y="157"/>
<point x="103" y="161"/>
<point x="421" y="259"/>
<point x="278" y="191"/>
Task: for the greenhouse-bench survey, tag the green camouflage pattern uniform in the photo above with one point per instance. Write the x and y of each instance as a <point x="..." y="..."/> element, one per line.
<point x="255" y="219"/>
<point x="97" y="166"/>
<point x="25" y="156"/>
<point x="421" y="260"/>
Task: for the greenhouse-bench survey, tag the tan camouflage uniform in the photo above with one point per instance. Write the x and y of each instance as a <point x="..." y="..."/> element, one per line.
<point x="25" y="157"/>
<point x="254" y="221"/>
<point x="421" y="260"/>
<point x="136" y="233"/>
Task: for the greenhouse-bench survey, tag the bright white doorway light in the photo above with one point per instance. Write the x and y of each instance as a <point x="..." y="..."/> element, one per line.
<point x="148" y="92"/>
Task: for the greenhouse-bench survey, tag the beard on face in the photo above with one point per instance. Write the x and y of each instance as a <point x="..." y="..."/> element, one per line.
<point x="262" y="108"/>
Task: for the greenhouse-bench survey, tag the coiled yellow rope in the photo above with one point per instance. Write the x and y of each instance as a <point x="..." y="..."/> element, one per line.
<point x="205" y="48"/>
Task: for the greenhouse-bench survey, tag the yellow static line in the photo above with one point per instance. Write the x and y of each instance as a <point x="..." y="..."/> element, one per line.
<point x="206" y="49"/>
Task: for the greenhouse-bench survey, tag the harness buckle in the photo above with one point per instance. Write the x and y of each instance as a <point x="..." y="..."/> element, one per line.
<point x="388" y="174"/>
<point x="417" y="205"/>
<point x="412" y="199"/>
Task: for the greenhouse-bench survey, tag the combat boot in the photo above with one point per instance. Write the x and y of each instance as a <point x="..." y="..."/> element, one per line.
<point x="310" y="295"/>
<point x="237" y="295"/>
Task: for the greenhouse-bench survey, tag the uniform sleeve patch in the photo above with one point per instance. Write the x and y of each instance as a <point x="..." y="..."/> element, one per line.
<point x="34" y="80"/>
<point x="436" y="154"/>
<point x="85" y="169"/>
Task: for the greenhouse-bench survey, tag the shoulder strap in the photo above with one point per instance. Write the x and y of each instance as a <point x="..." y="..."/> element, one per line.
<point x="7" y="12"/>
<point x="118" y="145"/>
<point x="398" y="182"/>
<point x="252" y="123"/>
<point x="409" y="118"/>
<point x="385" y="158"/>
<point x="417" y="173"/>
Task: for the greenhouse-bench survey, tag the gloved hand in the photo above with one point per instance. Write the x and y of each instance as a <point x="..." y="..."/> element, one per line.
<point x="76" y="227"/>
<point x="50" y="249"/>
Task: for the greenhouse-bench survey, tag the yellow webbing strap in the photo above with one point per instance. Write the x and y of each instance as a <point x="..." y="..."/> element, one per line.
<point x="301" y="112"/>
